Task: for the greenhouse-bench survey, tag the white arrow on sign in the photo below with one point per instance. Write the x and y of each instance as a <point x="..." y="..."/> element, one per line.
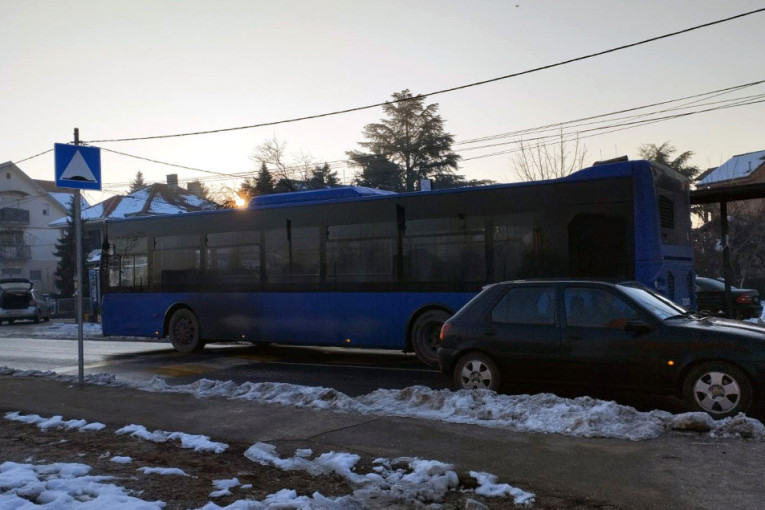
<point x="78" y="170"/>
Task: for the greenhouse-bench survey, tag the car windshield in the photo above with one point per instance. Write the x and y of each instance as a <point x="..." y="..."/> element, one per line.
<point x="657" y="305"/>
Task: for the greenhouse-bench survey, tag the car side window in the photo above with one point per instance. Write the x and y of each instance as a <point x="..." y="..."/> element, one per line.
<point x="526" y="305"/>
<point x="591" y="307"/>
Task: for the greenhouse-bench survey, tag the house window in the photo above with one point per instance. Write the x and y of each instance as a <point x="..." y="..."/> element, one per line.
<point x="35" y="274"/>
<point x="7" y="175"/>
<point x="11" y="271"/>
<point x="45" y="209"/>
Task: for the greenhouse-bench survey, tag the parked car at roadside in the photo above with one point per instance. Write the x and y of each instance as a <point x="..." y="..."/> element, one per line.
<point x="710" y="298"/>
<point x="598" y="334"/>
<point x="19" y="301"/>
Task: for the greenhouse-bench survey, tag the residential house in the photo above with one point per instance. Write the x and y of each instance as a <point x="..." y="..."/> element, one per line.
<point x="27" y="238"/>
<point x="155" y="199"/>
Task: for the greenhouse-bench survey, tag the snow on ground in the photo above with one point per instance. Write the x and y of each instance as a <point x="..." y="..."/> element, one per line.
<point x="393" y="482"/>
<point x="541" y="413"/>
<point x="63" y="486"/>
<point x="194" y="442"/>
<point x="54" y="422"/>
<point x="162" y="471"/>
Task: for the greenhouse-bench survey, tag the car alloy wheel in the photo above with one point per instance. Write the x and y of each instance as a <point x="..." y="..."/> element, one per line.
<point x="719" y="389"/>
<point x="476" y="371"/>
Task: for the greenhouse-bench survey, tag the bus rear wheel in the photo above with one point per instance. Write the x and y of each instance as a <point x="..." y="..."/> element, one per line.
<point x="425" y="335"/>
<point x="184" y="331"/>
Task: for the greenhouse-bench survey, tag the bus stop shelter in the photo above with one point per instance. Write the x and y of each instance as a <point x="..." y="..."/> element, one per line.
<point x="723" y="195"/>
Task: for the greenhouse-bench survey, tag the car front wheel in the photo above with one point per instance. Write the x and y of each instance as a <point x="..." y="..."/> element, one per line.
<point x="475" y="371"/>
<point x="718" y="388"/>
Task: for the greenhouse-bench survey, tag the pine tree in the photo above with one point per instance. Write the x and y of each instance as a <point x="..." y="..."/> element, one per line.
<point x="322" y="177"/>
<point x="138" y="183"/>
<point x="66" y="253"/>
<point x="663" y="154"/>
<point x="264" y="182"/>
<point x="412" y="137"/>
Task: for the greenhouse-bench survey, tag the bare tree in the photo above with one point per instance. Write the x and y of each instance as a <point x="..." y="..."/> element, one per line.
<point x="543" y="161"/>
<point x="273" y="154"/>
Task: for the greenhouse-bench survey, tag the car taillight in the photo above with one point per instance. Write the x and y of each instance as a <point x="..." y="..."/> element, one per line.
<point x="444" y="331"/>
<point x="744" y="299"/>
<point x="32" y="302"/>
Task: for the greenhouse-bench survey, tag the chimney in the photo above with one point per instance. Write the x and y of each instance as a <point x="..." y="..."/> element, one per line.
<point x="195" y="187"/>
<point x="172" y="186"/>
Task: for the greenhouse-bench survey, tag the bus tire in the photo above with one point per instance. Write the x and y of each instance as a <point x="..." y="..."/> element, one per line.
<point x="183" y="330"/>
<point x="426" y="333"/>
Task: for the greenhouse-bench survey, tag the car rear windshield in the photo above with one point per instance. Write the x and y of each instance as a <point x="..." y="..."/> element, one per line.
<point x="652" y="302"/>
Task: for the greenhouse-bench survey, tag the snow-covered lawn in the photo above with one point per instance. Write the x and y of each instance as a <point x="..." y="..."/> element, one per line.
<point x="392" y="482"/>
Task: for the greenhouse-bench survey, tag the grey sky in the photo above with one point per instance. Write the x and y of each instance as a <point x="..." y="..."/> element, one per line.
<point x="123" y="69"/>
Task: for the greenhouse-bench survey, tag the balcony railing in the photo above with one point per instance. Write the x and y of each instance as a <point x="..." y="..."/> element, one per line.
<point x="15" y="252"/>
<point x="14" y="215"/>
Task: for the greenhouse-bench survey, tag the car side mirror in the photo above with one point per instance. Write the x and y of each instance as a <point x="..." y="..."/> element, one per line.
<point x="638" y="327"/>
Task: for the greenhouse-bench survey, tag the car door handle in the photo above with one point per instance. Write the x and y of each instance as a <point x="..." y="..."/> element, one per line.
<point x="491" y="332"/>
<point x="574" y="337"/>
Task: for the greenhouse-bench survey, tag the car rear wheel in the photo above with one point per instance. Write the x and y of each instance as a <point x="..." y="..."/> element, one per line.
<point x="475" y="371"/>
<point x="184" y="331"/>
<point x="425" y="335"/>
<point x="718" y="388"/>
<point x="37" y="318"/>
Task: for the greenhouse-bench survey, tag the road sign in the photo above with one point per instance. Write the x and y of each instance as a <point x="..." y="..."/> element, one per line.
<point x="78" y="166"/>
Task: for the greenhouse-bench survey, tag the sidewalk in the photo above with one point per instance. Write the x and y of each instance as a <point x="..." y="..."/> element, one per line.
<point x="675" y="471"/>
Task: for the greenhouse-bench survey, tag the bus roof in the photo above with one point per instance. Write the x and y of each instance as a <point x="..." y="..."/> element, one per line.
<point x="352" y="193"/>
<point x="316" y="195"/>
<point x="346" y="194"/>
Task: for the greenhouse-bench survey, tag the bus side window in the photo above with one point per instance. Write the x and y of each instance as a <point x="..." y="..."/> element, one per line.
<point x="233" y="258"/>
<point x="176" y="262"/>
<point x="361" y="252"/>
<point x="445" y="249"/>
<point x="292" y="255"/>
<point x="128" y="263"/>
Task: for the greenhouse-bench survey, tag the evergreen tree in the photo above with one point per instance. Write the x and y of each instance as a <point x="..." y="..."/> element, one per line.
<point x="66" y="253"/>
<point x="322" y="177"/>
<point x="663" y="154"/>
<point x="378" y="172"/>
<point x="412" y="137"/>
<point x="264" y="182"/>
<point x="138" y="183"/>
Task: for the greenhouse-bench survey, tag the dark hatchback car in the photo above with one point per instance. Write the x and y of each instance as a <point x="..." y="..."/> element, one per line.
<point x="601" y="334"/>
<point x="710" y="298"/>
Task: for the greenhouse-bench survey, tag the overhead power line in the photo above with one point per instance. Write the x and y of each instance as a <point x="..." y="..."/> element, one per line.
<point x="442" y="91"/>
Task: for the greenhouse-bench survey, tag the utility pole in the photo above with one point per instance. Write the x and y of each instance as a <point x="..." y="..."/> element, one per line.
<point x="78" y="262"/>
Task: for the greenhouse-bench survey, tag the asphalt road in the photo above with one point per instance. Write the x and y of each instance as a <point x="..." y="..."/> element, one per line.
<point x="351" y="371"/>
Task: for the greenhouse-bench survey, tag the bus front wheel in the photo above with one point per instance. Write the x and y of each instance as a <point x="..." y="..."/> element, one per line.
<point x="184" y="331"/>
<point x="425" y="335"/>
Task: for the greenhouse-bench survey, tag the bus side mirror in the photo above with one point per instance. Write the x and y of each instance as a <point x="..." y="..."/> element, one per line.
<point x="638" y="327"/>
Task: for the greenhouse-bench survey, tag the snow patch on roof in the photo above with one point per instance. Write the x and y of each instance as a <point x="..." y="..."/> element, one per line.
<point x="65" y="199"/>
<point x="736" y="167"/>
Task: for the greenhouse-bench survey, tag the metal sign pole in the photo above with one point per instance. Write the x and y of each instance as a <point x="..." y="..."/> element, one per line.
<point x="78" y="263"/>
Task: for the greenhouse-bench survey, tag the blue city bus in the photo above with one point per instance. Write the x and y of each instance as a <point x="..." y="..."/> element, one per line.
<point x="359" y="267"/>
